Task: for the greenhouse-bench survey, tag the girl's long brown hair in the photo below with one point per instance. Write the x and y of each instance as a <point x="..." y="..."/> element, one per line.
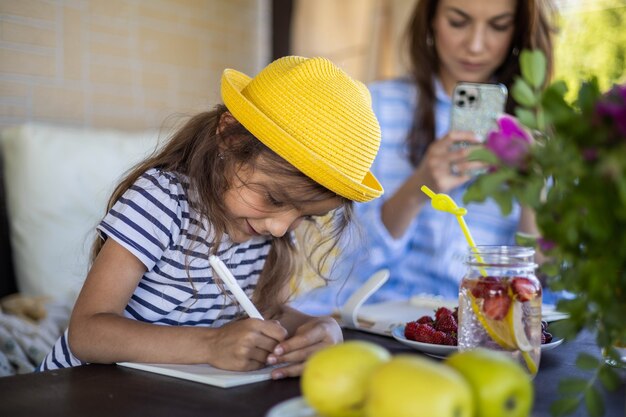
<point x="533" y="30"/>
<point x="211" y="158"/>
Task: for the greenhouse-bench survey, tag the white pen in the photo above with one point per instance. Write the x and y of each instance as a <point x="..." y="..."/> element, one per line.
<point x="227" y="277"/>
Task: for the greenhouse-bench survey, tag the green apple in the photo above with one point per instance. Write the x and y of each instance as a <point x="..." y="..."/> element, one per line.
<point x="334" y="379"/>
<point x="410" y="385"/>
<point x="502" y="388"/>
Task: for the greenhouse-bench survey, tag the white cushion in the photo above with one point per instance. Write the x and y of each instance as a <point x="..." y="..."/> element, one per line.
<point x="58" y="181"/>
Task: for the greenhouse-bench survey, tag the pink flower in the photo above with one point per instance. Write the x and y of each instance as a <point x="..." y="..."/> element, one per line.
<point x="613" y="108"/>
<point x="510" y="143"/>
<point x="545" y="245"/>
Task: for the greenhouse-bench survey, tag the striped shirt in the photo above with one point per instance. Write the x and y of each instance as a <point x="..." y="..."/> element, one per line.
<point x="429" y="257"/>
<point x="154" y="221"/>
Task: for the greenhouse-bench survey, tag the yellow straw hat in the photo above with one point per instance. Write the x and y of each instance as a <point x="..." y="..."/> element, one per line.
<point x="315" y="116"/>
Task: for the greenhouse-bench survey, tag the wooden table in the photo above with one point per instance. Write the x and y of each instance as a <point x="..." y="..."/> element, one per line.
<point x="109" y="390"/>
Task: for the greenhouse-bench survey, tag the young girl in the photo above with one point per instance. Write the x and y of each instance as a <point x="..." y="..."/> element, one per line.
<point x="293" y="143"/>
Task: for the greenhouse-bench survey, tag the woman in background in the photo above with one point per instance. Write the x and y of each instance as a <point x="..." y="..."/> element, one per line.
<point x="449" y="41"/>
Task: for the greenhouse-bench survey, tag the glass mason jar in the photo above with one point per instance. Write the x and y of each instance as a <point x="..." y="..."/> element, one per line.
<point x="500" y="303"/>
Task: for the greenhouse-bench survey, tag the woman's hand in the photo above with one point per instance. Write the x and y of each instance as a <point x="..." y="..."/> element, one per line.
<point x="445" y="165"/>
<point x="311" y="336"/>
<point x="244" y="345"/>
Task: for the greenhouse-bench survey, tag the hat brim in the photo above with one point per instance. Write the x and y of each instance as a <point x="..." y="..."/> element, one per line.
<point x="296" y="153"/>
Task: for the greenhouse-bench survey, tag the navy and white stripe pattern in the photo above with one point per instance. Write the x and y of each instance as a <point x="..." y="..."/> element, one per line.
<point x="154" y="222"/>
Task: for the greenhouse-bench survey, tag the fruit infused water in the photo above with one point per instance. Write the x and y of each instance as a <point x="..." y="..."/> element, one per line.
<point x="500" y="303"/>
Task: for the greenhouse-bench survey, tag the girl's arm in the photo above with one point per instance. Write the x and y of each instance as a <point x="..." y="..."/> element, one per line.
<point x="99" y="333"/>
<point x="307" y="334"/>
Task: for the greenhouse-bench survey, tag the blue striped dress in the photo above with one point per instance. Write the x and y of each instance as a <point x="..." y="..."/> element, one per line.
<point x="154" y="222"/>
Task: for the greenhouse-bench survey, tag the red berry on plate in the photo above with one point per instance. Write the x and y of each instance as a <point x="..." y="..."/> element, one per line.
<point x="441" y="312"/>
<point x="425" y="320"/>
<point x="409" y="330"/>
<point x="439" y="337"/>
<point x="424" y="333"/>
<point x="446" y="324"/>
<point x="450" y="340"/>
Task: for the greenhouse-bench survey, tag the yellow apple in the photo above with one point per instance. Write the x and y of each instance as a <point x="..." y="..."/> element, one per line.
<point x="414" y="386"/>
<point x="502" y="388"/>
<point x="334" y="379"/>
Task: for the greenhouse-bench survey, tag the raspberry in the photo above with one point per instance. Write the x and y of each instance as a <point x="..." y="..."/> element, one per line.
<point x="439" y="337"/>
<point x="442" y="311"/>
<point x="446" y="324"/>
<point x="425" y="320"/>
<point x="424" y="333"/>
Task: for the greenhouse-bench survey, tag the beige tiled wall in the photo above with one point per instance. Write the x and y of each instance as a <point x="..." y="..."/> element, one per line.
<point x="125" y="64"/>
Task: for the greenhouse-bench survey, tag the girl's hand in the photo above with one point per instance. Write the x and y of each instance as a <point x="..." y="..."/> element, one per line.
<point x="244" y="345"/>
<point x="313" y="335"/>
<point x="445" y="164"/>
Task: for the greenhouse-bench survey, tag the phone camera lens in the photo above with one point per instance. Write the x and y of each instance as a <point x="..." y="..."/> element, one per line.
<point x="460" y="103"/>
<point x="462" y="92"/>
<point x="471" y="98"/>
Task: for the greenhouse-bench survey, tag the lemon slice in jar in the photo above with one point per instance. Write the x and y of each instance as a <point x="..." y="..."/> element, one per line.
<point x="498" y="330"/>
<point x="509" y="332"/>
<point x="514" y="321"/>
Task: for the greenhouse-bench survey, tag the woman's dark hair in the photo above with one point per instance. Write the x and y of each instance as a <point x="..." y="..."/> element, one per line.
<point x="210" y="156"/>
<point x="533" y="30"/>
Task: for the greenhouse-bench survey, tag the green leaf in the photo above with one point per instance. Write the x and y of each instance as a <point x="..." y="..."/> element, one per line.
<point x="505" y="201"/>
<point x="564" y="406"/>
<point x="484" y="155"/>
<point x="609" y="378"/>
<point x="533" y="66"/>
<point x="523" y="94"/>
<point x="527" y="117"/>
<point x="594" y="402"/>
<point x="532" y="193"/>
<point x="474" y="193"/>
<point x="587" y="362"/>
<point x="572" y="385"/>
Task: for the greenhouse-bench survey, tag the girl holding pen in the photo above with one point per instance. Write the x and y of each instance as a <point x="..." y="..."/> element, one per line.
<point x="289" y="145"/>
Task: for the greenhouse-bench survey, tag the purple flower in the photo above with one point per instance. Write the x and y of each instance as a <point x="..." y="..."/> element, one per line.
<point x="510" y="143"/>
<point x="545" y="245"/>
<point x="590" y="154"/>
<point x="612" y="107"/>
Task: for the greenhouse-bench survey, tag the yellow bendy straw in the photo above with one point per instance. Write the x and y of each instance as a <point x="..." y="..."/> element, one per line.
<point x="444" y="202"/>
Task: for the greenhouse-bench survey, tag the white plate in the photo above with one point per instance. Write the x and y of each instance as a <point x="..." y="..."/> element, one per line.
<point x="294" y="407"/>
<point x="441" y="351"/>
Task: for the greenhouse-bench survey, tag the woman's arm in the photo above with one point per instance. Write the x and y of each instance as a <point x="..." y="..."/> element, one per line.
<point x="528" y="225"/>
<point x="98" y="331"/>
<point x="433" y="171"/>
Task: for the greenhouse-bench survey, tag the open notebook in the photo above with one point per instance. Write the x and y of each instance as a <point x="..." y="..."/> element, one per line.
<point x="205" y="374"/>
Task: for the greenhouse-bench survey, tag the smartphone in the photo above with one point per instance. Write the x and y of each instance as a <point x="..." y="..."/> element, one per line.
<point x="477" y="106"/>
